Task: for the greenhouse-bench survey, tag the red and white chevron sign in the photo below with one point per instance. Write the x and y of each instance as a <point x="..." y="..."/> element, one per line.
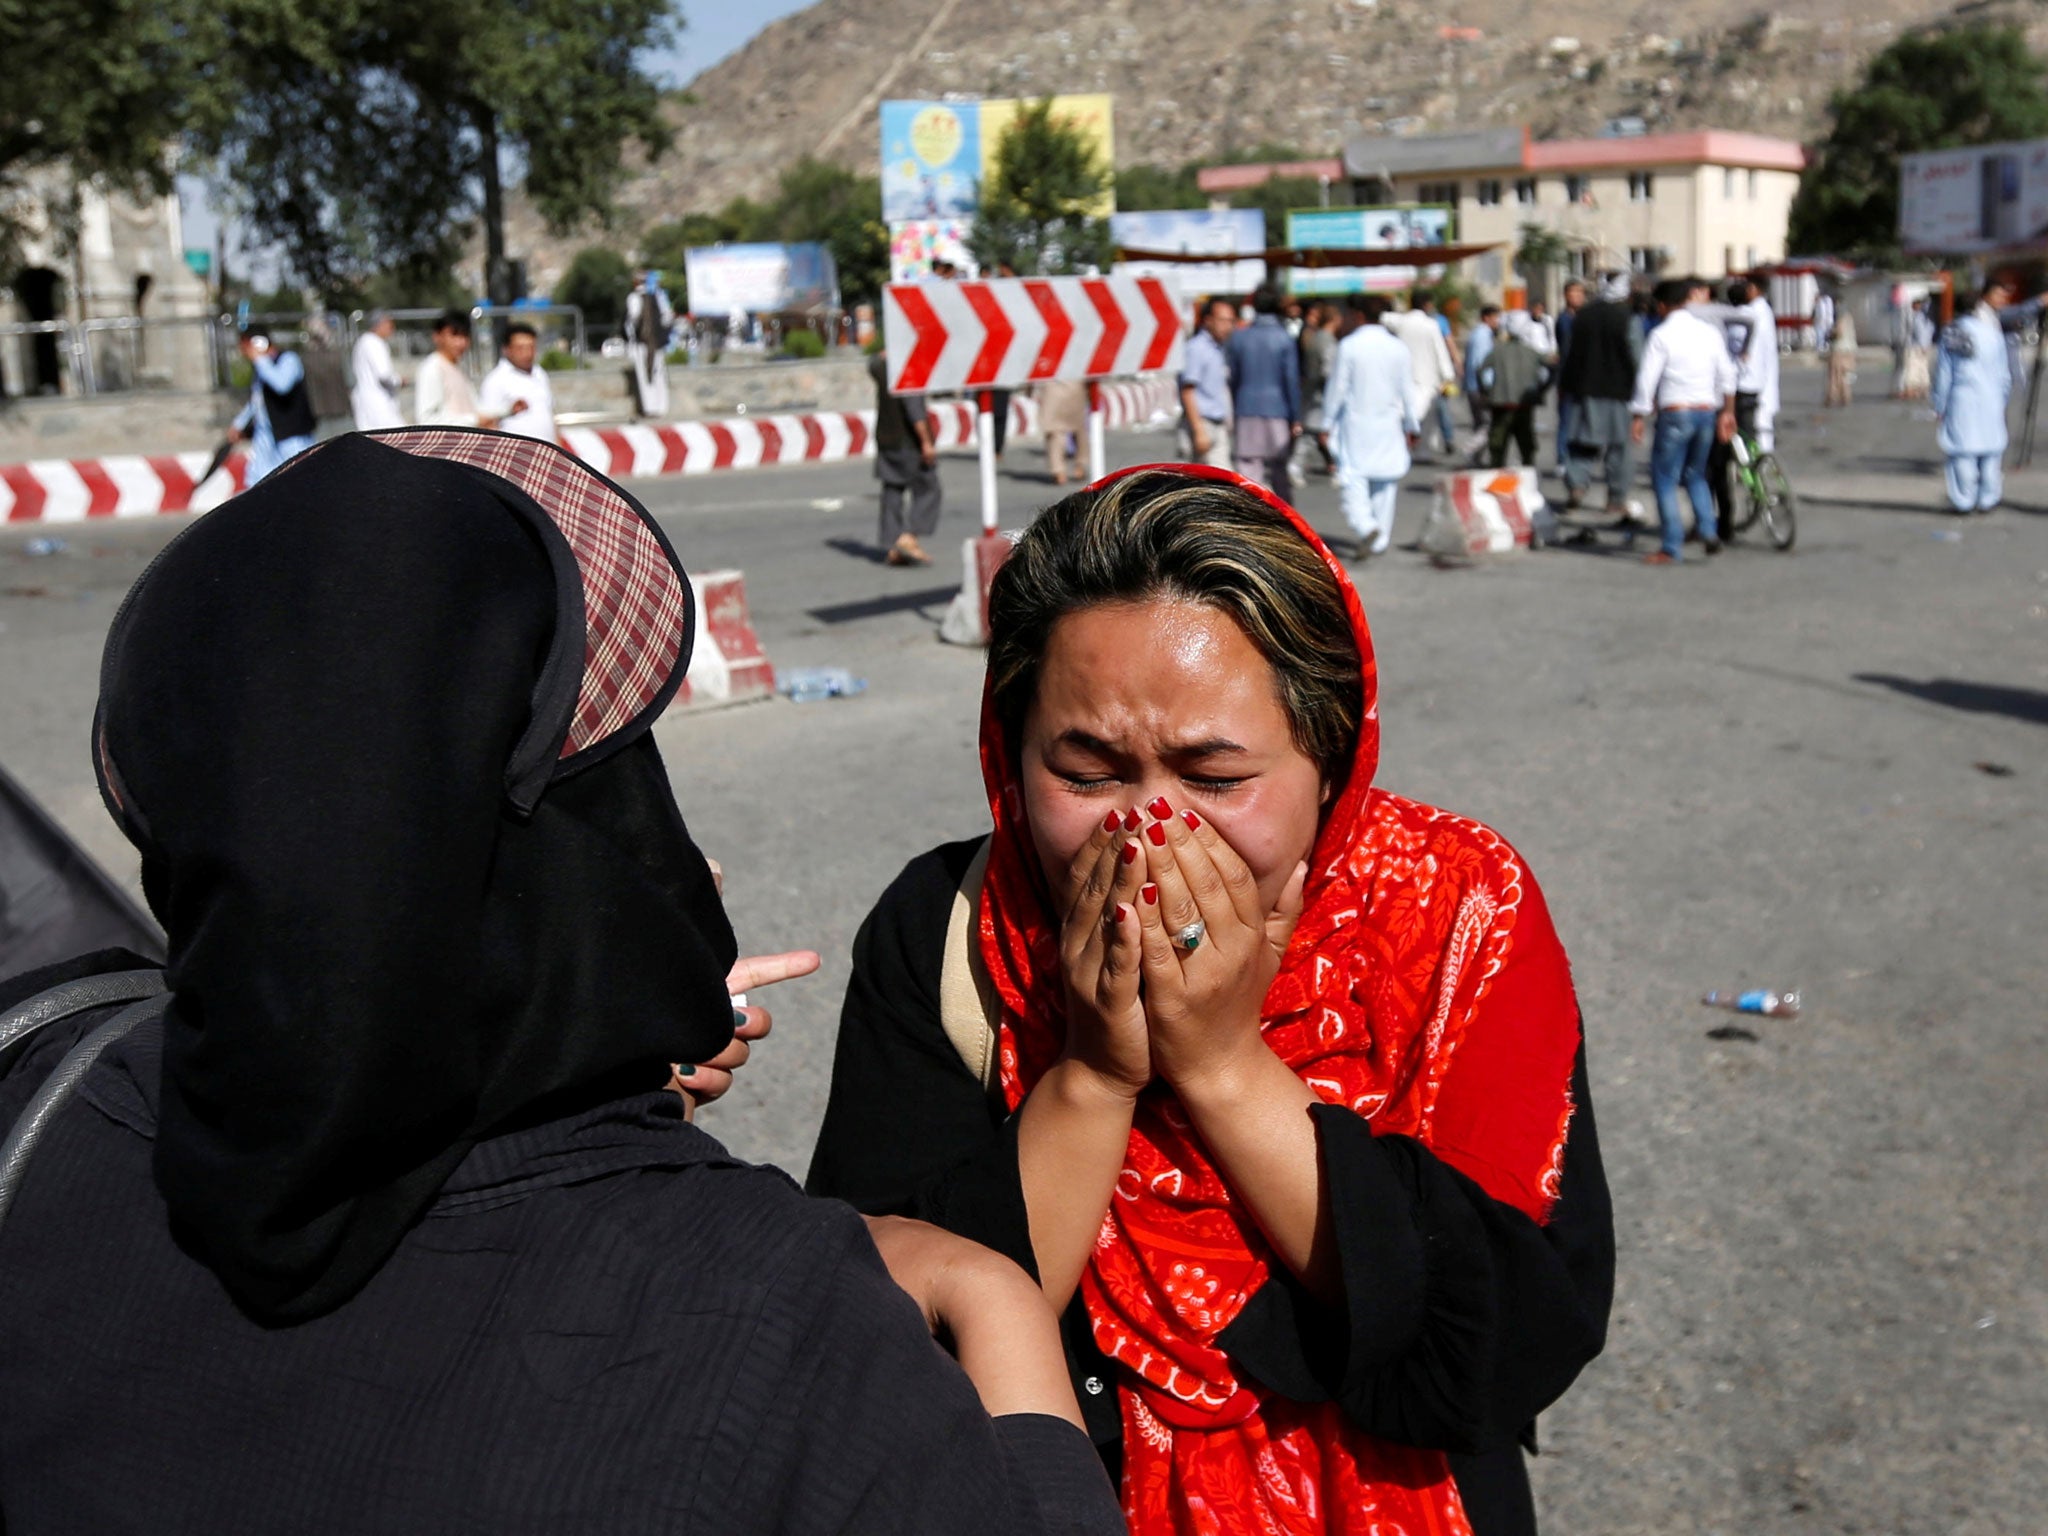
<point x="1010" y="331"/>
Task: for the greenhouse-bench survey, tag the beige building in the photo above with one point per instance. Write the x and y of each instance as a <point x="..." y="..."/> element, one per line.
<point x="1709" y="202"/>
<point x="124" y="263"/>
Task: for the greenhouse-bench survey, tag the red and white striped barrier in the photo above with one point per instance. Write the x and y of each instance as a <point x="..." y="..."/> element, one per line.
<point x="139" y="485"/>
<point x="1480" y="512"/>
<point x="733" y="667"/>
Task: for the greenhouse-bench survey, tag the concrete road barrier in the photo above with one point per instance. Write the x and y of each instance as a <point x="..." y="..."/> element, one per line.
<point x="1481" y="512"/>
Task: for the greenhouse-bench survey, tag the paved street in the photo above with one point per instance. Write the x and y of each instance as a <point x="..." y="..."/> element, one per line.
<point x="1822" y="770"/>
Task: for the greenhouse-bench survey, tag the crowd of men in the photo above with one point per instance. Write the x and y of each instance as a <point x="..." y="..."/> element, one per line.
<point x="1364" y="384"/>
<point x="281" y="417"/>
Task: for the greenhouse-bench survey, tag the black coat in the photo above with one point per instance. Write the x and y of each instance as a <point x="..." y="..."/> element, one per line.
<point x="604" y="1324"/>
<point x="1463" y="1318"/>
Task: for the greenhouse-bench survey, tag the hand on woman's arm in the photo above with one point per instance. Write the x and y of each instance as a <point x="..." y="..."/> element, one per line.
<point x="1075" y="1125"/>
<point x="1202" y="1009"/>
<point x="985" y="1309"/>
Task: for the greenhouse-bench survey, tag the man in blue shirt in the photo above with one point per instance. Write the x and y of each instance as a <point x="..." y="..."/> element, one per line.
<point x="278" y="421"/>
<point x="1205" y="387"/>
<point x="1265" y="386"/>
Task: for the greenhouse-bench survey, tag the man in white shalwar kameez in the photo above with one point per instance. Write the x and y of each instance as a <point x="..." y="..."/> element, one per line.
<point x="1369" y="410"/>
<point x="373" y="398"/>
<point x="648" y="320"/>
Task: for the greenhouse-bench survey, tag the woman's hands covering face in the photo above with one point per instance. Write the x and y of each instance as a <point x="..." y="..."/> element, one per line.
<point x="1202" y="1005"/>
<point x="1099" y="956"/>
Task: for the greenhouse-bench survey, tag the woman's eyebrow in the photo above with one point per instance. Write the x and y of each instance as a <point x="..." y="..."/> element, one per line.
<point x="1211" y="746"/>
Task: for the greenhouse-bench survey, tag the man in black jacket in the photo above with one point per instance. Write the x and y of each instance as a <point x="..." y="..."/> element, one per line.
<point x="1599" y="377"/>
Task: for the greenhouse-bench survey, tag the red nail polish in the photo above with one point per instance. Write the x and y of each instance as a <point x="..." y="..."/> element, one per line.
<point x="1191" y="819"/>
<point x="1160" y="809"/>
<point x="1157" y="833"/>
<point x="1122" y="912"/>
<point x="1131" y="819"/>
<point x="1130" y="852"/>
<point x="1150" y="893"/>
<point x="1111" y="822"/>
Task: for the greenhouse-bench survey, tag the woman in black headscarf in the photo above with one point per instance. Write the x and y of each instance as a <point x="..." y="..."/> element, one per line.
<point x="385" y="1221"/>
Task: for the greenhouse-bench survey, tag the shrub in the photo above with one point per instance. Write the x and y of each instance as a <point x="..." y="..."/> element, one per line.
<point x="803" y="344"/>
<point x="555" y="360"/>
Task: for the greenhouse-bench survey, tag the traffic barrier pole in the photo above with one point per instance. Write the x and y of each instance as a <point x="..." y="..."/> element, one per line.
<point x="1098" y="464"/>
<point x="986" y="431"/>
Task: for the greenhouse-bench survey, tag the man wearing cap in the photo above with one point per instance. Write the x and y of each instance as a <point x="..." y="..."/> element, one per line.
<point x="373" y="398"/>
<point x="278" y="421"/>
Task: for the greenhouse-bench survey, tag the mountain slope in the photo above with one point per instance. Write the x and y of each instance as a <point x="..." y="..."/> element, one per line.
<point x="1213" y="79"/>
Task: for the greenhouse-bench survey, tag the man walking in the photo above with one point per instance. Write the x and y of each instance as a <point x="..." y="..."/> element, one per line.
<point x="278" y="421"/>
<point x="649" y="318"/>
<point x="1972" y="386"/>
<point x="1265" y="392"/>
<point x="373" y="398"/>
<point x="1205" y="388"/>
<point x="1567" y="319"/>
<point x="1600" y="375"/>
<point x="518" y="394"/>
<point x="1318" y="357"/>
<point x="1687" y="382"/>
<point x="1371" y="423"/>
<point x="907" y="464"/>
<point x="441" y="392"/>
<point x="1429" y="359"/>
<point x="1513" y="378"/>
<point x="1752" y="333"/>
<point x="1479" y="345"/>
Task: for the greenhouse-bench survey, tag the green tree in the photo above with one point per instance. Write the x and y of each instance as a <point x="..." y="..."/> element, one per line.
<point x="1143" y="187"/>
<point x="1037" y="206"/>
<point x="99" y="90"/>
<point x="596" y="282"/>
<point x="816" y="200"/>
<point x="662" y="247"/>
<point x="1945" y="89"/>
<point x="369" y="134"/>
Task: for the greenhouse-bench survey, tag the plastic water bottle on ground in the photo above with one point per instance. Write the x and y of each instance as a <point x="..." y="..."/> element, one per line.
<point x="1773" y="1005"/>
<point x="807" y="685"/>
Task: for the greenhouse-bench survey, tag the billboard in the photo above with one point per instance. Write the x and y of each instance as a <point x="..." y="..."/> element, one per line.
<point x="1195" y="232"/>
<point x="936" y="154"/>
<point x="931" y="160"/>
<point x="914" y="244"/>
<point x="760" y="279"/>
<point x="1960" y="202"/>
<point x="1364" y="229"/>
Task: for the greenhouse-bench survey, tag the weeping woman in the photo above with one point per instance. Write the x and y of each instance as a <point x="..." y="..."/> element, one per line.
<point x="1272" y="1078"/>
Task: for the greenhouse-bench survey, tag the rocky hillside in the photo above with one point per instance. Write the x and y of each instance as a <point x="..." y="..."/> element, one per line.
<point x="1214" y="78"/>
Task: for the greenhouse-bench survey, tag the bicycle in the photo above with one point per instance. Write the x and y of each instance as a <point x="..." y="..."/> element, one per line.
<point x="1759" y="488"/>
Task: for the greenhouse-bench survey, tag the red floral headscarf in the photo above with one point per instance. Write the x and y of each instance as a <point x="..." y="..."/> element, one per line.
<point x="1425" y="990"/>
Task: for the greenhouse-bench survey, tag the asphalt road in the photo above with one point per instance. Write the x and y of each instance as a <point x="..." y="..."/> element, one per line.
<point x="1822" y="770"/>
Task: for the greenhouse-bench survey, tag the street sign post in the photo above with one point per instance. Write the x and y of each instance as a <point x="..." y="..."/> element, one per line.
<point x="1011" y="332"/>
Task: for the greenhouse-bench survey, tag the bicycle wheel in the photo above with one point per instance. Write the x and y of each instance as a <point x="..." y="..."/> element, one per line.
<point x="1780" y="506"/>
<point x="1744" y="500"/>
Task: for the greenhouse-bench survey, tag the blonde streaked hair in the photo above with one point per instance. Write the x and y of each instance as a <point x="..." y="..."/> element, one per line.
<point x="1167" y="535"/>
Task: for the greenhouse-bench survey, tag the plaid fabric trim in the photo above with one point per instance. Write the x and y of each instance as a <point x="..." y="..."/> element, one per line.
<point x="635" y="602"/>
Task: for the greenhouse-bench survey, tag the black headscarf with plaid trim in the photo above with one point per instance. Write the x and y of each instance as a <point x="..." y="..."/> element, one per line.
<point x="379" y="728"/>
